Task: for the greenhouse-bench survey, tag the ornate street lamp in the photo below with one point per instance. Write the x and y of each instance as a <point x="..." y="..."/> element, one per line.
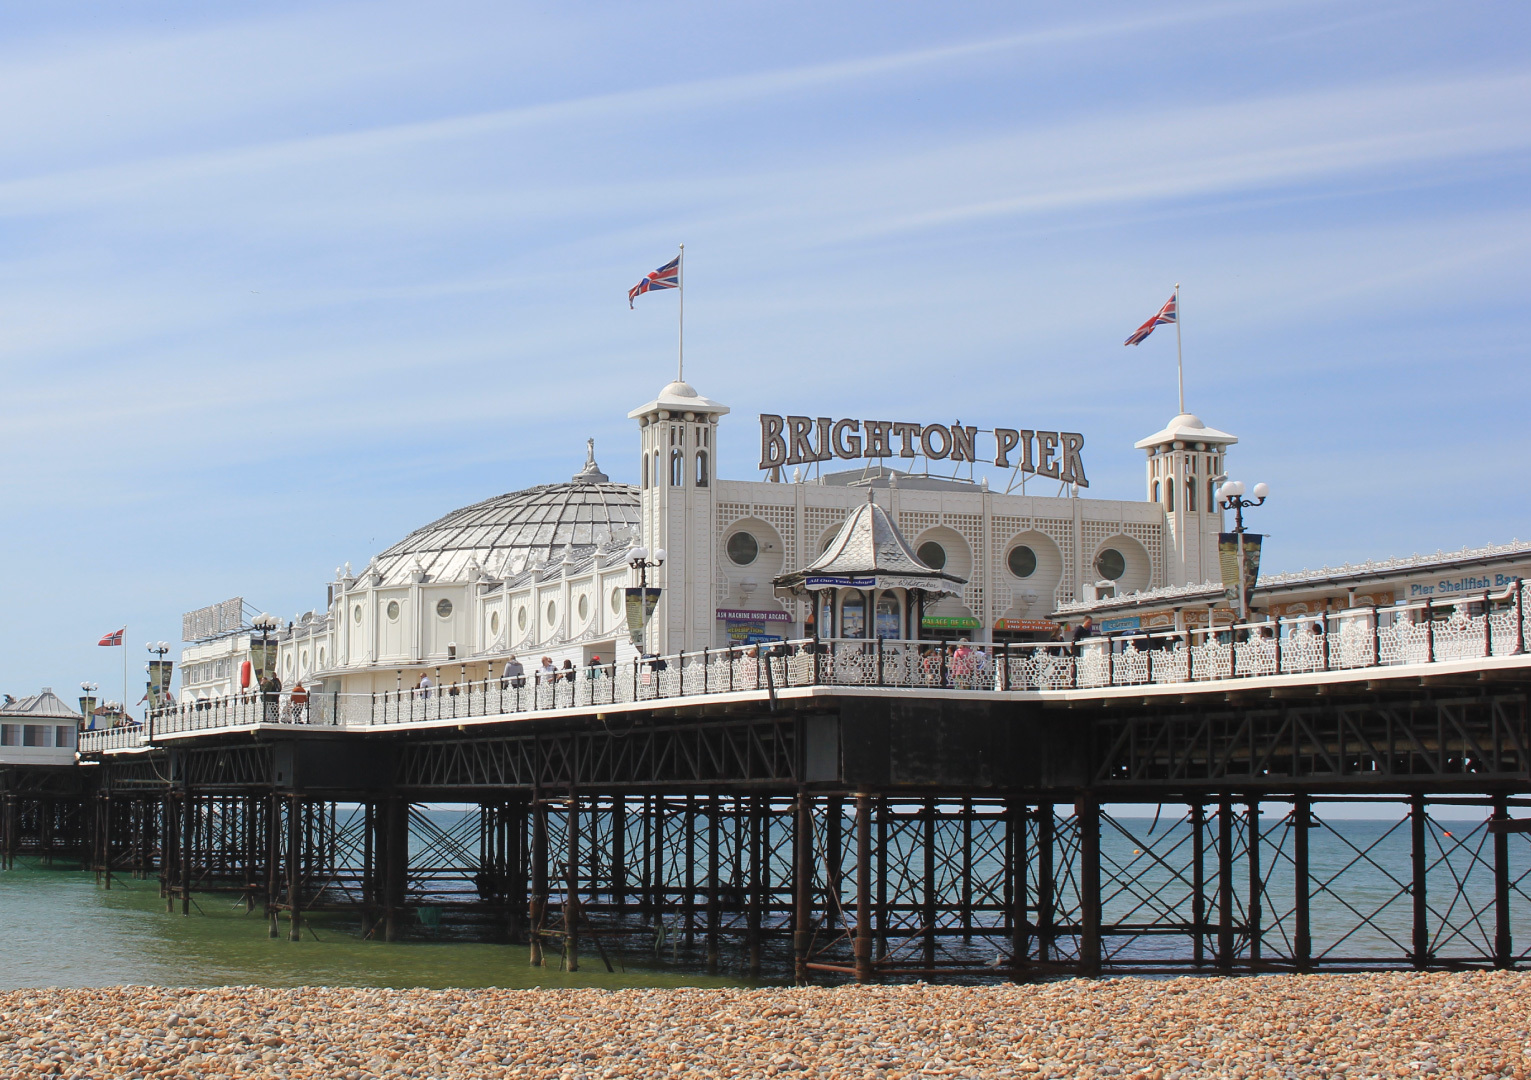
<point x="638" y="559"/>
<point x="1231" y="497"/>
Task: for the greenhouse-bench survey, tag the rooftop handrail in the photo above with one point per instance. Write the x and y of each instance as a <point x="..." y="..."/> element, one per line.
<point x="1419" y="632"/>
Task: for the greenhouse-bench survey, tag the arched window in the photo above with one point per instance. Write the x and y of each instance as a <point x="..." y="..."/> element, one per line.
<point x="1169" y="494"/>
<point x="1211" y="495"/>
<point x="701" y="468"/>
<point x="645" y="481"/>
<point x="1190" y="493"/>
<point x="677" y="468"/>
<point x="853" y="614"/>
<point x="646" y="473"/>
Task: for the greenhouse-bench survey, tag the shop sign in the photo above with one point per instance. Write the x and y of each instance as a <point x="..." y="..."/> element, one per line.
<point x="799" y="440"/>
<point x="1323" y="603"/>
<point x="1124" y="622"/>
<point x="1032" y="626"/>
<point x="1471" y="583"/>
<point x="1196" y="618"/>
<point x="841" y="581"/>
<point x="756" y="616"/>
<point x="950" y="622"/>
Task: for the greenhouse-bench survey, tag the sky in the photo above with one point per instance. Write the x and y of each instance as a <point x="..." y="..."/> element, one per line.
<point x="280" y="283"/>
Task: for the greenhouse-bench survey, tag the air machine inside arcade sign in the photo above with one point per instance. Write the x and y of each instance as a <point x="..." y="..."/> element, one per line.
<point x="798" y="440"/>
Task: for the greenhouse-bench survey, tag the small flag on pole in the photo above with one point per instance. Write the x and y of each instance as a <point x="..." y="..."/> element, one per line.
<point x="666" y="277"/>
<point x="113" y="638"/>
<point x="1166" y="315"/>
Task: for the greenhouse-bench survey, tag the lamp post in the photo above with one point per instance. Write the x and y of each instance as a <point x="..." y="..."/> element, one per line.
<point x="88" y="704"/>
<point x="639" y="560"/>
<point x="1231" y="497"/>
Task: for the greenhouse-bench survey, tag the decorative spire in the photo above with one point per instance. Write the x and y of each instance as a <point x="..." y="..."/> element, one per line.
<point x="591" y="473"/>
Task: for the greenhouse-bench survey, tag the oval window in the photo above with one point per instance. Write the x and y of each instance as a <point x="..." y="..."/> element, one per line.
<point x="494" y="622"/>
<point x="1111" y="564"/>
<point x="393" y="609"/>
<point x="552" y="614"/>
<point x="356" y="614"/>
<point x="932" y="554"/>
<point x="444" y="608"/>
<point x="584" y="608"/>
<point x="305" y="659"/>
<point x="743" y="548"/>
<point x="321" y="657"/>
<point x="521" y="618"/>
<point x="616" y="601"/>
<point x="1022" y="561"/>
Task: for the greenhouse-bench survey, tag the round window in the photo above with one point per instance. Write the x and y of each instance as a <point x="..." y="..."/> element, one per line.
<point x="1022" y="561"/>
<point x="584" y="608"/>
<point x="521" y="618"/>
<point x="1111" y="564"/>
<point x="616" y="601"/>
<point x="932" y="554"/>
<point x="743" y="548"/>
<point x="552" y="614"/>
<point x="444" y="608"/>
<point x="356" y="614"/>
<point x="494" y="622"/>
<point x="393" y="609"/>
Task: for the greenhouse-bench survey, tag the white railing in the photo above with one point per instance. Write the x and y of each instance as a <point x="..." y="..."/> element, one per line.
<point x="1419" y="633"/>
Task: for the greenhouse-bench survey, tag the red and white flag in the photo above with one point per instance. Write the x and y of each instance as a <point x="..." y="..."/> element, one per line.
<point x="1166" y="314"/>
<point x="114" y="638"/>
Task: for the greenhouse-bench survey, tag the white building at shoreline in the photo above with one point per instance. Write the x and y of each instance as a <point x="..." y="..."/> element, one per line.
<point x="542" y="572"/>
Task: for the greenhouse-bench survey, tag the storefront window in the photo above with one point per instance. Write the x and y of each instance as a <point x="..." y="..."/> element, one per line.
<point x="890" y="623"/>
<point x="853" y="614"/>
<point x="826" y="614"/>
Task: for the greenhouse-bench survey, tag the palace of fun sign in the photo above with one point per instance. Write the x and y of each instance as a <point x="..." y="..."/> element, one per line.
<point x="800" y="440"/>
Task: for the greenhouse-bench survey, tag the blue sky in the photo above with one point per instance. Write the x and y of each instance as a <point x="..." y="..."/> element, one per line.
<point x="280" y="283"/>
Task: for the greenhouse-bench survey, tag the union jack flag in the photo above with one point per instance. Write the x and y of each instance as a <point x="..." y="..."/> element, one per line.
<point x="666" y="277"/>
<point x="113" y="638"/>
<point x="1166" y="315"/>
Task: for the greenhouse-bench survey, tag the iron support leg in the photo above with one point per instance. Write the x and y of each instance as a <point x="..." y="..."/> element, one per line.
<point x="571" y="889"/>
<point x="294" y="867"/>
<point x="539" y="905"/>
<point x="1198" y="884"/>
<point x="863" y="941"/>
<point x="1046" y="931"/>
<point x="1088" y="814"/>
<point x="1302" y="946"/>
<point x="1504" y="955"/>
<point x="1225" y="885"/>
<point x="1252" y="851"/>
<point x="802" y="885"/>
<point x="928" y="882"/>
<point x="713" y="913"/>
<point x="1419" y="858"/>
<point x="1015" y="879"/>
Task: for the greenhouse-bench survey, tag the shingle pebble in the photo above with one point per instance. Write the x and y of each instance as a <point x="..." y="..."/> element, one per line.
<point x="1461" y="1025"/>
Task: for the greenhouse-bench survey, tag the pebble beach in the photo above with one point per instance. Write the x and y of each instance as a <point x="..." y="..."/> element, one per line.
<point x="1440" y="1025"/>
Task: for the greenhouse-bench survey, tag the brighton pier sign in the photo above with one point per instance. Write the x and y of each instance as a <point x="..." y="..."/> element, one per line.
<point x="800" y="440"/>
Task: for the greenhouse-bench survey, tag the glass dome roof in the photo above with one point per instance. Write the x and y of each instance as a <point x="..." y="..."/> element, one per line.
<point x="508" y="533"/>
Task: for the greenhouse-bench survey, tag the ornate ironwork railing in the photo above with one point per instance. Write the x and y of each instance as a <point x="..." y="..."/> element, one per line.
<point x="1423" y="633"/>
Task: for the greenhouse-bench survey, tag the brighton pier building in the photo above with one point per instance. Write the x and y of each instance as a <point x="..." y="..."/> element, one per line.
<point x="544" y="572"/>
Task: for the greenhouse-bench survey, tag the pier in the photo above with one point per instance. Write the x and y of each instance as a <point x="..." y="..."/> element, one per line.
<point x="853" y="809"/>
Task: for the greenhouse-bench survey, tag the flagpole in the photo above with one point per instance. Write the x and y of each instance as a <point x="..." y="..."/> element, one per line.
<point x="680" y="277"/>
<point x="124" y="671"/>
<point x="1179" y="356"/>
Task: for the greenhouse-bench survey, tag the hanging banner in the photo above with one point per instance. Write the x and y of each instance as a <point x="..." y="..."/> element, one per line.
<point x="263" y="656"/>
<point x="640" y="609"/>
<point x="159" y="682"/>
<point x="1228" y="559"/>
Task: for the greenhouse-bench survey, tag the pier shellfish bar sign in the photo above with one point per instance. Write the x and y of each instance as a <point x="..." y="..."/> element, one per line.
<point x="799" y="440"/>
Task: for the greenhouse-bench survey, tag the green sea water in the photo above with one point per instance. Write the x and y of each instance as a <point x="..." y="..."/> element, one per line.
<point x="57" y="928"/>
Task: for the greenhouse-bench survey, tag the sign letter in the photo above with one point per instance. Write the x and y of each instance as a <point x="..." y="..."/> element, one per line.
<point x="799" y="441"/>
<point x="964" y="441"/>
<point x="1047" y="445"/>
<point x="846" y="447"/>
<point x="877" y="437"/>
<point x="1073" y="465"/>
<point x="907" y="432"/>
<point x="773" y="448"/>
<point x="1005" y="440"/>
<point x="946" y="441"/>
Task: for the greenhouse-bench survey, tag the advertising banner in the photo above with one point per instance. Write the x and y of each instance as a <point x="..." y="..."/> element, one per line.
<point x="1029" y="626"/>
<point x="1228" y="560"/>
<point x="640" y="609"/>
<point x="749" y="632"/>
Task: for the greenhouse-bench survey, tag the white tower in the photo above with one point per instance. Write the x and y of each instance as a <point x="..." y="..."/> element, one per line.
<point x="679" y="436"/>
<point x="1185" y="462"/>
